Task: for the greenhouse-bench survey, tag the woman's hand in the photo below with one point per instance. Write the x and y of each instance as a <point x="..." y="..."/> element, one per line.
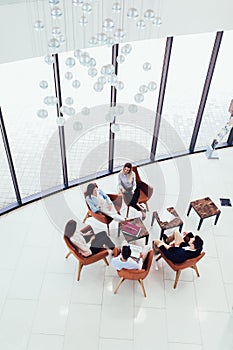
<point x="92" y="238"/>
<point x="88" y="233"/>
<point x="110" y="206"/>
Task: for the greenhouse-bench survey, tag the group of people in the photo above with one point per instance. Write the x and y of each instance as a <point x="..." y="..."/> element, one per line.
<point x="99" y="202"/>
<point x="184" y="246"/>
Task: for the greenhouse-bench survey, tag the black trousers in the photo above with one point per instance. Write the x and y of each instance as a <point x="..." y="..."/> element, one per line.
<point x="132" y="198"/>
<point x="101" y="238"/>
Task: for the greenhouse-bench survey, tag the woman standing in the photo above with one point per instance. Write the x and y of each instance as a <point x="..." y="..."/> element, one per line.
<point x="99" y="201"/>
<point x="128" y="187"/>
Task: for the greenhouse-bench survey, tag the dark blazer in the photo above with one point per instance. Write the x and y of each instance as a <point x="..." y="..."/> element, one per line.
<point x="178" y="254"/>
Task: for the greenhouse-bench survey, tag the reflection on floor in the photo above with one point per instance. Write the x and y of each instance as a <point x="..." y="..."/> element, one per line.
<point x="42" y="306"/>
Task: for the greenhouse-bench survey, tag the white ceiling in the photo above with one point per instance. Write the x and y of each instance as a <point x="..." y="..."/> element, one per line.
<point x="19" y="40"/>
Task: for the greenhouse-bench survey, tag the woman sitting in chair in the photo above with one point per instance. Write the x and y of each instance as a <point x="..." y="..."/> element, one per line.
<point x="99" y="202"/>
<point x="127" y="186"/>
<point x="87" y="243"/>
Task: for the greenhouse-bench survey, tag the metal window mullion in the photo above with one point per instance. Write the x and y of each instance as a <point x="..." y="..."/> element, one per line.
<point x="9" y="158"/>
<point x="162" y="90"/>
<point x="205" y="91"/>
<point x="115" y="49"/>
<point x="60" y="127"/>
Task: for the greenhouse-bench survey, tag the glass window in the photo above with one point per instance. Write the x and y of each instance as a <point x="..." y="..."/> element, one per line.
<point x="140" y="72"/>
<point x="34" y="140"/>
<point x="216" y="113"/>
<point x="186" y="76"/>
<point x="87" y="131"/>
<point x="7" y="193"/>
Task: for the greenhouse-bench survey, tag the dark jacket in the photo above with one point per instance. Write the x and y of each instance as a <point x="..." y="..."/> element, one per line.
<point x="178" y="254"/>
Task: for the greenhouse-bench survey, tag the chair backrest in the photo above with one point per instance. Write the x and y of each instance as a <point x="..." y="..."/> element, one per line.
<point x="73" y="249"/>
<point x="85" y="260"/>
<point x="138" y="274"/>
<point x="144" y="187"/>
<point x="185" y="264"/>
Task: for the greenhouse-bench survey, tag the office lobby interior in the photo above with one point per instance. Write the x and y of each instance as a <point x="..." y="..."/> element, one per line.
<point x="84" y="88"/>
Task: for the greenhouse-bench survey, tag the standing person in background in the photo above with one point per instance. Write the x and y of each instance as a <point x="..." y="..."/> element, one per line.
<point x="128" y="187"/>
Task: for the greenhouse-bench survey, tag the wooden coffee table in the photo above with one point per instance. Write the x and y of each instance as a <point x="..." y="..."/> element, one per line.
<point x="205" y="208"/>
<point x="143" y="233"/>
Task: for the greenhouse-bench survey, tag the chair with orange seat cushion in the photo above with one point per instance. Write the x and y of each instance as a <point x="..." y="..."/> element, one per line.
<point x="117" y="202"/>
<point x="181" y="266"/>
<point x="82" y="259"/>
<point x="146" y="190"/>
<point x="136" y="275"/>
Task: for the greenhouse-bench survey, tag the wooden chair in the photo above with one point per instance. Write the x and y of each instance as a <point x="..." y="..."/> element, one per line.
<point x="179" y="267"/>
<point x="146" y="191"/>
<point x="117" y="202"/>
<point x="82" y="259"/>
<point x="136" y="275"/>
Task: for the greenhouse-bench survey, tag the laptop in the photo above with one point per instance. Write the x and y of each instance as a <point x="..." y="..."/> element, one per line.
<point x="135" y="251"/>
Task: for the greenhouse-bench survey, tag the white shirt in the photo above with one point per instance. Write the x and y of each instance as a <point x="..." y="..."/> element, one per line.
<point x="79" y="241"/>
<point x="130" y="264"/>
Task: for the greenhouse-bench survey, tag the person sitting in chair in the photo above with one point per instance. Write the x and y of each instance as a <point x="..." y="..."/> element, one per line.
<point x="87" y="243"/>
<point x="99" y="202"/>
<point x="128" y="187"/>
<point x="125" y="261"/>
<point x="178" y="239"/>
<point x="182" y="252"/>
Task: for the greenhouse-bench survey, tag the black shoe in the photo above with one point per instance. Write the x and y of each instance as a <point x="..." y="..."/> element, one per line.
<point x="164" y="237"/>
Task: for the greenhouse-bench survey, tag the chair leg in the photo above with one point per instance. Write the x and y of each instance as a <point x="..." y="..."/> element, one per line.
<point x="86" y="216"/>
<point x="106" y="261"/>
<point x="143" y="288"/>
<point x="80" y="266"/>
<point x="119" y="283"/>
<point x="177" y="278"/>
<point x="195" y="268"/>
<point x="67" y="255"/>
<point x="127" y="212"/>
<point x="108" y="229"/>
<point x="147" y="208"/>
<point x="158" y="258"/>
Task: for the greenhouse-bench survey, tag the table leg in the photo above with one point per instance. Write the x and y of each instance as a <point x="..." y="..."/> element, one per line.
<point x="199" y="226"/>
<point x="216" y="219"/>
<point x="190" y="207"/>
<point x="180" y="227"/>
<point x="119" y="230"/>
<point x="153" y="219"/>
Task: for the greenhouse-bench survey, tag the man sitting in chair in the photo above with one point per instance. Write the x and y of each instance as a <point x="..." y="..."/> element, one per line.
<point x="125" y="261"/>
<point x="185" y="247"/>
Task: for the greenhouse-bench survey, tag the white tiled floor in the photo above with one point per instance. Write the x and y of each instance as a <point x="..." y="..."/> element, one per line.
<point x="42" y="306"/>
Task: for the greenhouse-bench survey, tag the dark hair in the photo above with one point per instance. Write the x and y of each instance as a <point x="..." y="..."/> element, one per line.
<point x="70" y="228"/>
<point x="90" y="189"/>
<point x="188" y="236"/>
<point x="126" y="251"/>
<point x="128" y="165"/>
<point x="198" y="243"/>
